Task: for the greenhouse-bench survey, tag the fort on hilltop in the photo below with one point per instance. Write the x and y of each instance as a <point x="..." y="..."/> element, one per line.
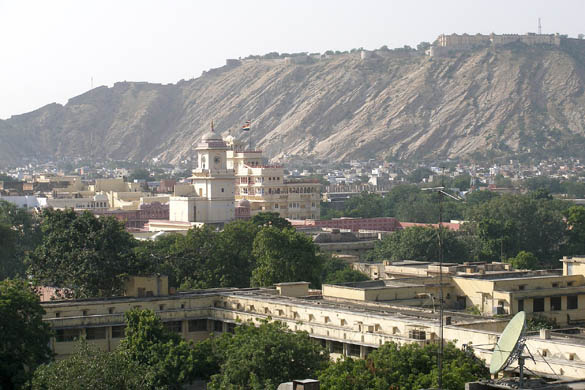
<point x="445" y="44"/>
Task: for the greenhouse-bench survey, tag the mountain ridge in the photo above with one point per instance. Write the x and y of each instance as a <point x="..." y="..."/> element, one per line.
<point x="480" y="104"/>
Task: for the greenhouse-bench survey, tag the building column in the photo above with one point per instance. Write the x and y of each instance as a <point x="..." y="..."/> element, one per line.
<point x="185" y="328"/>
<point x="363" y="352"/>
<point x="109" y="338"/>
<point x="328" y="346"/>
<point x="345" y="349"/>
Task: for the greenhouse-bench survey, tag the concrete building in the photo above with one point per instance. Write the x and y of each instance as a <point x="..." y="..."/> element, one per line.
<point x="494" y="289"/>
<point x="351" y="319"/>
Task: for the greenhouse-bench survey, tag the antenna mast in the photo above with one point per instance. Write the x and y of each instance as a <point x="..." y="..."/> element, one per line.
<point x="539" y="27"/>
<point x="440" y="356"/>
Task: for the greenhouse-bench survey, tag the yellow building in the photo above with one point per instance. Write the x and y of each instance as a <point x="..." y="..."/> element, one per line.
<point x="351" y="319"/>
<point x="495" y="289"/>
<point x="265" y="187"/>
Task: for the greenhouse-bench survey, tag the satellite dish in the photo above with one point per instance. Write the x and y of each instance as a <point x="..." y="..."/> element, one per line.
<point x="510" y="344"/>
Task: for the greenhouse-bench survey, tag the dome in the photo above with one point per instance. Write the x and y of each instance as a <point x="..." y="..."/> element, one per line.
<point x="211" y="136"/>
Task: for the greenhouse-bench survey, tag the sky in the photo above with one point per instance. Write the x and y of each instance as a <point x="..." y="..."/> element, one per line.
<point x="51" y="50"/>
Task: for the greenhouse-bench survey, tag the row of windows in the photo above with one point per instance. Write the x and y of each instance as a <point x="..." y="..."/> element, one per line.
<point x="555" y="304"/>
<point x="118" y="332"/>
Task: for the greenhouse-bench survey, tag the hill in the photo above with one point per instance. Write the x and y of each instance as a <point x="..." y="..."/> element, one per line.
<point x="514" y="101"/>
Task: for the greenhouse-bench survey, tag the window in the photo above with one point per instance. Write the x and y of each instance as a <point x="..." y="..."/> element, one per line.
<point x="354" y="350"/>
<point x="522" y="287"/>
<point x="57" y="314"/>
<point x="198" y="325"/>
<point x="336" y="347"/>
<point x="520" y="304"/>
<point x="84" y="313"/>
<point x="62" y="335"/>
<point x="570" y="284"/>
<point x="555" y="285"/>
<point x="161" y="307"/>
<point x="231" y="328"/>
<point x="572" y="302"/>
<point x="217" y="326"/>
<point x="222" y="190"/>
<point x="118" y="331"/>
<point x="555" y="303"/>
<point x="538" y="305"/>
<point x="111" y="310"/>
<point x="417" y="334"/>
<point x="174" y="326"/>
<point x="95" y="333"/>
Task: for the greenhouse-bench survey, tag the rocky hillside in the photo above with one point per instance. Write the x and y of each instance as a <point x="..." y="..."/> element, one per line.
<point x="512" y="101"/>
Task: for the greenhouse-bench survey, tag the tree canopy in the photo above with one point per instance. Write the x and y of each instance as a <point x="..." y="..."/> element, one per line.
<point x="409" y="366"/>
<point x="25" y="337"/>
<point x="19" y="234"/>
<point x="285" y="256"/>
<point x="171" y="360"/>
<point x="420" y="243"/>
<point x="86" y="254"/>
<point x="263" y="357"/>
<point x="90" y="368"/>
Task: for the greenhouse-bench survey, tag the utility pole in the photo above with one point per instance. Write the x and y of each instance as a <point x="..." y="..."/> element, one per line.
<point x="440" y="357"/>
<point x="442" y="194"/>
<point x="539" y="27"/>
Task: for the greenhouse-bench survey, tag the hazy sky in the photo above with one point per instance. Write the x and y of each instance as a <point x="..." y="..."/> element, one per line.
<point x="50" y="50"/>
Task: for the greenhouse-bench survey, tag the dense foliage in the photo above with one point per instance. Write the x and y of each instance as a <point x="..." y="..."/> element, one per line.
<point x="498" y="227"/>
<point x="420" y="243"/>
<point x="24" y="344"/>
<point x="19" y="234"/>
<point x="407" y="367"/>
<point x="284" y="256"/>
<point x="79" y="251"/>
<point x="171" y="360"/>
<point x="262" y="357"/>
<point x="90" y="368"/>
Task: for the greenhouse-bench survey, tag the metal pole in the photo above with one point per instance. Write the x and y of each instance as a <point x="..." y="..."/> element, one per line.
<point x="440" y="357"/>
<point x="521" y="370"/>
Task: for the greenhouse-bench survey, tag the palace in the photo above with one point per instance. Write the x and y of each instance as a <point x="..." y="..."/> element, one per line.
<point x="266" y="189"/>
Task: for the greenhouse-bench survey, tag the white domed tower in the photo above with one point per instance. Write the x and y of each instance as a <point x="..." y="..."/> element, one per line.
<point x="213" y="185"/>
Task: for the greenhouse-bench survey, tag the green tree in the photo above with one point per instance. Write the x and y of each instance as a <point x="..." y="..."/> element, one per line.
<point x="139" y="174"/>
<point x="285" y="256"/>
<point x="19" y="234"/>
<point x="90" y="368"/>
<point x="336" y="271"/>
<point x="90" y="255"/>
<point x="262" y="357"/>
<point x="270" y="219"/>
<point x="345" y="275"/>
<point x="509" y="224"/>
<point x="407" y="367"/>
<point x="172" y="360"/>
<point x="575" y="216"/>
<point x="420" y="243"/>
<point x="10" y="263"/>
<point x="25" y="337"/>
<point x="524" y="260"/>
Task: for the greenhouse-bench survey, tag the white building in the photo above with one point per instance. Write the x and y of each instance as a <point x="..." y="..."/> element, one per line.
<point x="210" y="197"/>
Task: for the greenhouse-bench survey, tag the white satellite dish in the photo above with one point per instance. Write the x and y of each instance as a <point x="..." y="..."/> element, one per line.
<point x="510" y="345"/>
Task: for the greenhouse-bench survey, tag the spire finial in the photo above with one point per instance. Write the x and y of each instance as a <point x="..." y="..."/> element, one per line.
<point x="212" y="125"/>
